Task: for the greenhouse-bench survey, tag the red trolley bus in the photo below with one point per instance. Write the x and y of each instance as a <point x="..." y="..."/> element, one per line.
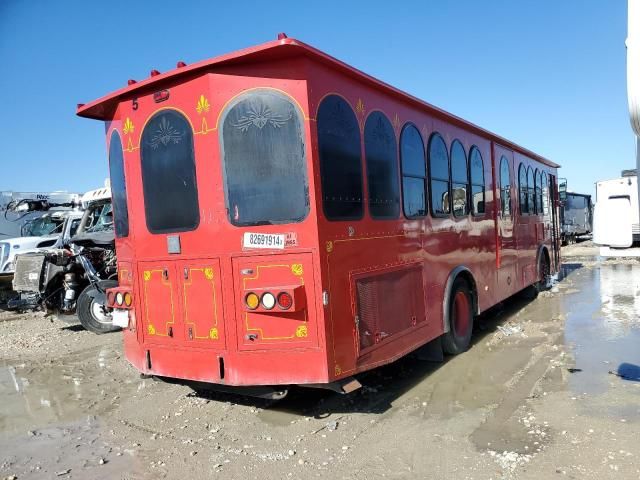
<point x="285" y="219"/>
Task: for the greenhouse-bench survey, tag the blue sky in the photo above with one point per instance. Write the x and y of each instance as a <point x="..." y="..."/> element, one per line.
<point x="548" y="75"/>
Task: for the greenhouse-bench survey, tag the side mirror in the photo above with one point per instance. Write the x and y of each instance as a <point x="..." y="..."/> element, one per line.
<point x="562" y="189"/>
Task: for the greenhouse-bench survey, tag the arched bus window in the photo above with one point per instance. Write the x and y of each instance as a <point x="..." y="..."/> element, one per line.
<point x="477" y="181"/>
<point x="439" y="175"/>
<point x="531" y="184"/>
<point x="380" y="151"/>
<point x="545" y="194"/>
<point x="118" y="186"/>
<point x="523" y="189"/>
<point x="459" y="179"/>
<point x="505" y="188"/>
<point x="414" y="173"/>
<point x="169" y="174"/>
<point x="538" y="175"/>
<point x="264" y="159"/>
<point x="340" y="160"/>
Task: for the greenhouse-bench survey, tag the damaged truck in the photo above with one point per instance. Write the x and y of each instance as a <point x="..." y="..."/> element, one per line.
<point x="73" y="278"/>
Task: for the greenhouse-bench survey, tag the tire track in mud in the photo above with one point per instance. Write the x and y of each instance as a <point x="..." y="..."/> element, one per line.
<point x="503" y="430"/>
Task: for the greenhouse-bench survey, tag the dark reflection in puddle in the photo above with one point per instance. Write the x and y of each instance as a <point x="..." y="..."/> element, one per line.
<point x="603" y="324"/>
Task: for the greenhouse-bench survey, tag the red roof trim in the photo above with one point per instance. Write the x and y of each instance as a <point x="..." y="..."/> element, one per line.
<point x="98" y="108"/>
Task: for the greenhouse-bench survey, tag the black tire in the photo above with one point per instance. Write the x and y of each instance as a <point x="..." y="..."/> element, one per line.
<point x="544" y="269"/>
<point x="458" y="338"/>
<point x="87" y="310"/>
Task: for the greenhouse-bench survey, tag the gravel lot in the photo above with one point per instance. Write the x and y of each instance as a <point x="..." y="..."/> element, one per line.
<point x="533" y="398"/>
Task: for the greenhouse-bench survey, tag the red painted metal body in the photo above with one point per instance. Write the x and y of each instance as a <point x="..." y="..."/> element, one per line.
<point x="189" y="319"/>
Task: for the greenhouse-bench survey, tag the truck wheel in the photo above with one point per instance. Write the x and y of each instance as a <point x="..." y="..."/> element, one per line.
<point x="93" y="315"/>
<point x="457" y="339"/>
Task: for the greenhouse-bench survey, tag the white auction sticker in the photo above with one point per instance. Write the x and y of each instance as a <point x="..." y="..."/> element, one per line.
<point x="263" y="240"/>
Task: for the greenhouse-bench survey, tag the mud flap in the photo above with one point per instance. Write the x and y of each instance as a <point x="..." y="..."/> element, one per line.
<point x="344" y="386"/>
<point x="431" y="352"/>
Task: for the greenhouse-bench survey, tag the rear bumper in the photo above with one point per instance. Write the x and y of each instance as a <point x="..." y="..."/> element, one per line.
<point x="275" y="367"/>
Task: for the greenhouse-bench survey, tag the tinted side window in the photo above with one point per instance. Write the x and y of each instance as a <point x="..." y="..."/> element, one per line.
<point x="459" y="179"/>
<point x="340" y="162"/>
<point x="505" y="187"/>
<point x="538" y="176"/>
<point x="439" y="175"/>
<point x="477" y="181"/>
<point x="382" y="167"/>
<point x="169" y="174"/>
<point x="523" y="189"/>
<point x="118" y="186"/>
<point x="545" y="194"/>
<point x="414" y="173"/>
<point x="531" y="199"/>
<point x="264" y="159"/>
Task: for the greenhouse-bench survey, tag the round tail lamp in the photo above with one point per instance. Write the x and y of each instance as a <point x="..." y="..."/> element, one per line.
<point x="268" y="301"/>
<point x="285" y="301"/>
<point x="252" y="301"/>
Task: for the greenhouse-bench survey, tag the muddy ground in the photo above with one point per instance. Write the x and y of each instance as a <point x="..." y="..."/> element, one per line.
<point x="532" y="399"/>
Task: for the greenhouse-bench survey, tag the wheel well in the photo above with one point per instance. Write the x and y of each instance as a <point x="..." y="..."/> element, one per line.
<point x="464" y="273"/>
<point x="542" y="250"/>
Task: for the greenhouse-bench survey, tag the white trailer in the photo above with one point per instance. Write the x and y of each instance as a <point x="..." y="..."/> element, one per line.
<point x="616" y="216"/>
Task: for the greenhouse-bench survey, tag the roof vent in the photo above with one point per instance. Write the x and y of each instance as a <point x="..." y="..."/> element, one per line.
<point x="180" y="64"/>
<point x="131" y="81"/>
<point x="154" y="73"/>
<point x="282" y="36"/>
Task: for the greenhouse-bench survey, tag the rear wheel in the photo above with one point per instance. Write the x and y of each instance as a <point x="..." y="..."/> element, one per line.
<point x="458" y="338"/>
<point x="93" y="314"/>
<point x="544" y="270"/>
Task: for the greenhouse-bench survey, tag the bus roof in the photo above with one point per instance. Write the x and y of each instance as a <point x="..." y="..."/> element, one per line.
<point x="103" y="108"/>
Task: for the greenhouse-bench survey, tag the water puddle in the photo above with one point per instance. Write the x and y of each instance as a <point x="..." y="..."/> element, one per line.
<point x="37" y="395"/>
<point x="603" y="327"/>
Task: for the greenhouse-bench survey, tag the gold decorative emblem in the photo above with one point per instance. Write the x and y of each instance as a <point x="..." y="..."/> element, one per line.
<point x="329" y="246"/>
<point x="297" y="269"/>
<point x="360" y="107"/>
<point x="213" y="334"/>
<point x="203" y="105"/>
<point x="208" y="273"/>
<point x="147" y="275"/>
<point x="151" y="329"/>
<point x="128" y="126"/>
<point x="301" y="331"/>
<point x="396" y="121"/>
<point x="338" y="370"/>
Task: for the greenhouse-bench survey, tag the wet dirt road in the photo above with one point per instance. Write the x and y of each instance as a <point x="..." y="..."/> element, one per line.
<point x="550" y="388"/>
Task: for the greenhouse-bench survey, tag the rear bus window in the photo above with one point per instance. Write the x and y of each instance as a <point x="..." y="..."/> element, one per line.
<point x="340" y="160"/>
<point x="118" y="187"/>
<point x="169" y="174"/>
<point x="263" y="152"/>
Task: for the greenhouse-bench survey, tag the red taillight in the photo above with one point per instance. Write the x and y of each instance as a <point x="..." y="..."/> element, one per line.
<point x="110" y="298"/>
<point x="285" y="300"/>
